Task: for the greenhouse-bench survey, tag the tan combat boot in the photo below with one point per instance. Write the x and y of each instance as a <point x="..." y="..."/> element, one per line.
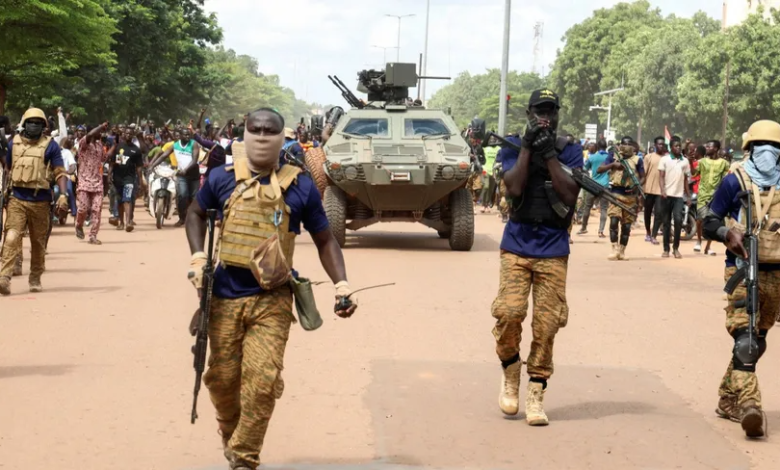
<point x="753" y="420"/>
<point x="35" y="285"/>
<point x="622" y="253"/>
<point x="5" y="285"/>
<point x="509" y="398"/>
<point x="534" y="405"/>
<point x="615" y="255"/>
<point x="728" y="409"/>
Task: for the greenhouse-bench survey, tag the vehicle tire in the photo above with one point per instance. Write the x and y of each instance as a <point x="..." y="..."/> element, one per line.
<point x="315" y="159"/>
<point x="159" y="211"/>
<point x="462" y="210"/>
<point x="336" y="210"/>
<point x="689" y="228"/>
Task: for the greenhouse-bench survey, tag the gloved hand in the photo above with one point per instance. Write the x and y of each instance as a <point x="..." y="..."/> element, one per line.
<point x="195" y="274"/>
<point x="345" y="306"/>
<point x="532" y="130"/>
<point x="62" y="203"/>
<point x="544" y="145"/>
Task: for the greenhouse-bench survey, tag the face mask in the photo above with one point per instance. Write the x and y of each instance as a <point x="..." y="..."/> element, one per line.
<point x="765" y="159"/>
<point x="263" y="150"/>
<point x="33" y="130"/>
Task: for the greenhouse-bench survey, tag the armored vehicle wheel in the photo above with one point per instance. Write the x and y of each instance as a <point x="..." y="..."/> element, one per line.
<point x="315" y="158"/>
<point x="462" y="210"/>
<point x="444" y="234"/>
<point x="336" y="210"/>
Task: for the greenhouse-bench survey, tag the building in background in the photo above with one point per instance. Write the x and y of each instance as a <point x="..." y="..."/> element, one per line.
<point x="738" y="10"/>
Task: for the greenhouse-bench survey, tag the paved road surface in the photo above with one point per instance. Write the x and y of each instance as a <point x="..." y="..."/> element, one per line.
<point x="95" y="373"/>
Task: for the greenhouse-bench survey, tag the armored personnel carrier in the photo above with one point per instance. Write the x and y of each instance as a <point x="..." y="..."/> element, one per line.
<point x="389" y="159"/>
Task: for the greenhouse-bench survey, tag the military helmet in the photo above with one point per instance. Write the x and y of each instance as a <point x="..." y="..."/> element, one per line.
<point x="34" y="113"/>
<point x="761" y="131"/>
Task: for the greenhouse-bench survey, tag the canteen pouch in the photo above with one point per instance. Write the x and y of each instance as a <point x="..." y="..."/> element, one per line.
<point x="308" y="315"/>
<point x="269" y="265"/>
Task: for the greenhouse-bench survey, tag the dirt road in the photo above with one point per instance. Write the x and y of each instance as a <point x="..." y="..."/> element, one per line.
<point x="96" y="371"/>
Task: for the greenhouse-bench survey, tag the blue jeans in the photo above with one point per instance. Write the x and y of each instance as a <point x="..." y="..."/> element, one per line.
<point x="71" y="195"/>
<point x="186" y="190"/>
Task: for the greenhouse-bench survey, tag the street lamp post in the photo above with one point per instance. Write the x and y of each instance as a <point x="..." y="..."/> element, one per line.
<point x="502" y="104"/>
<point x="384" y="51"/>
<point x="398" y="44"/>
<point x="424" y="70"/>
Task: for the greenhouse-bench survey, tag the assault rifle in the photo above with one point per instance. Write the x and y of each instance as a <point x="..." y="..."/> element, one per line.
<point x="580" y="177"/>
<point x="202" y="326"/>
<point x="747" y="352"/>
<point x="346" y="93"/>
<point x="632" y="175"/>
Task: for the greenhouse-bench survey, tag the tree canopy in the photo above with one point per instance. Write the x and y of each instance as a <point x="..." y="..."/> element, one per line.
<point x="129" y="59"/>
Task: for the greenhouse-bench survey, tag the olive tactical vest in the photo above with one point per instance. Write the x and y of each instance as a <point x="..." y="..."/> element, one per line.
<point x="621" y="177"/>
<point x="28" y="169"/>
<point x="255" y="212"/>
<point x="766" y="209"/>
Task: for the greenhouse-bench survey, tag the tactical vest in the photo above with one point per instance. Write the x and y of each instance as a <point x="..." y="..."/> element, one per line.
<point x="766" y="208"/>
<point x="536" y="205"/>
<point x="29" y="169"/>
<point x="254" y="212"/>
<point x="621" y="178"/>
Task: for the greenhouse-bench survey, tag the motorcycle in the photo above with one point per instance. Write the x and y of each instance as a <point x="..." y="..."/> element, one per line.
<point x="162" y="190"/>
<point x="690" y="215"/>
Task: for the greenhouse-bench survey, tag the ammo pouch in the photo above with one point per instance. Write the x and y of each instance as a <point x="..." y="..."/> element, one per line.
<point x="269" y="265"/>
<point x="308" y="315"/>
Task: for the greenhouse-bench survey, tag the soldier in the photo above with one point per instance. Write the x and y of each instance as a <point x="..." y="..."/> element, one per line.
<point x="32" y="157"/>
<point x="534" y="253"/>
<point x="249" y="326"/>
<point x="740" y="397"/>
<point x="626" y="191"/>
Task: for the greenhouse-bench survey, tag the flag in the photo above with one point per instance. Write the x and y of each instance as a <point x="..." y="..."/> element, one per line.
<point x="667" y="136"/>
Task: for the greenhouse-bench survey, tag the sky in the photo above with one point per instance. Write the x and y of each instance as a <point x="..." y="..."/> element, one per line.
<point x="304" y="41"/>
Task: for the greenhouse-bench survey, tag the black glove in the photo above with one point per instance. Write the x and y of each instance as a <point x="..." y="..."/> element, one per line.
<point x="532" y="130"/>
<point x="544" y="145"/>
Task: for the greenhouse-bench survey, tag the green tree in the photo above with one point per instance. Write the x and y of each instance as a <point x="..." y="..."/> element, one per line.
<point x="42" y="40"/>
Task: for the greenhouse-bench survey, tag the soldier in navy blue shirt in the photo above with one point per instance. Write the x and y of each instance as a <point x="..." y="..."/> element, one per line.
<point x="740" y="396"/>
<point x="535" y="252"/>
<point x="264" y="204"/>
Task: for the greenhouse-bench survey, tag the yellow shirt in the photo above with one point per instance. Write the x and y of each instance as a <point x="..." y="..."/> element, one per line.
<point x="167" y="147"/>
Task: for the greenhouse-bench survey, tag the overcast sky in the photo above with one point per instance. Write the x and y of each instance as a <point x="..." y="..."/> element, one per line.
<point x="303" y="41"/>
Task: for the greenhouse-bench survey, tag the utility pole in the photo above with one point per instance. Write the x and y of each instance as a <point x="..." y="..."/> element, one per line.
<point x="724" y="144"/>
<point x="538" y="45"/>
<point x="384" y="51"/>
<point x="608" y="109"/>
<point x="398" y="44"/>
<point x="502" y="104"/>
<point x="424" y="71"/>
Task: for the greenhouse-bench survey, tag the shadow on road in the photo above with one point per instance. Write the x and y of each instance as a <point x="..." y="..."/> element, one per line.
<point x="413" y="241"/>
<point x="24" y="371"/>
<point x="598" y="409"/>
<point x="102" y="289"/>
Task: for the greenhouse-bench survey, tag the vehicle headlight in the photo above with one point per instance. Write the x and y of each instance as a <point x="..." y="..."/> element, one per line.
<point x="351" y="172"/>
<point x="448" y="173"/>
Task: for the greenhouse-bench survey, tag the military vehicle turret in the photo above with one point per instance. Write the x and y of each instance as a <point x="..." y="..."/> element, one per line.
<point x="389" y="159"/>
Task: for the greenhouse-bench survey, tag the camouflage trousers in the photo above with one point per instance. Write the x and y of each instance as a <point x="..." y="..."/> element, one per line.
<point x="503" y="206"/>
<point x="248" y="337"/>
<point x="520" y="276"/>
<point x="35" y="216"/>
<point x="625" y="217"/>
<point x="738" y="383"/>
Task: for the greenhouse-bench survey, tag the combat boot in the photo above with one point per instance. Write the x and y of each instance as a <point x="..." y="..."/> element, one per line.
<point x="5" y="285"/>
<point x="622" y="253"/>
<point x="509" y="398"/>
<point x="753" y="420"/>
<point x="615" y="255"/>
<point x="728" y="409"/>
<point x="35" y="285"/>
<point x="534" y="405"/>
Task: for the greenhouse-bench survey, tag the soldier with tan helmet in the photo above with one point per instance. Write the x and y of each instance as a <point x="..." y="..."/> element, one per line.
<point x="33" y="158"/>
<point x="264" y="203"/>
<point x="740" y="397"/>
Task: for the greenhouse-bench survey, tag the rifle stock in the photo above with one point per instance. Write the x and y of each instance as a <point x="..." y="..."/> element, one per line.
<point x="201" y="333"/>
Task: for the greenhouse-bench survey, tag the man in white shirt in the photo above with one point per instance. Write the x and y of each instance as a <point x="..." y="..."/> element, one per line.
<point x="674" y="172"/>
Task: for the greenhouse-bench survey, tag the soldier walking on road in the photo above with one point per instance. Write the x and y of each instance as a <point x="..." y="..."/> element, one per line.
<point x="534" y="253"/>
<point x="740" y="396"/>
<point x="32" y="158"/>
<point x="249" y="325"/>
<point x="626" y="191"/>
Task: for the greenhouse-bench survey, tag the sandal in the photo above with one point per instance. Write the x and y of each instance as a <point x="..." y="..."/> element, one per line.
<point x="80" y="232"/>
<point x="582" y="232"/>
<point x="601" y="235"/>
<point x="94" y="241"/>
